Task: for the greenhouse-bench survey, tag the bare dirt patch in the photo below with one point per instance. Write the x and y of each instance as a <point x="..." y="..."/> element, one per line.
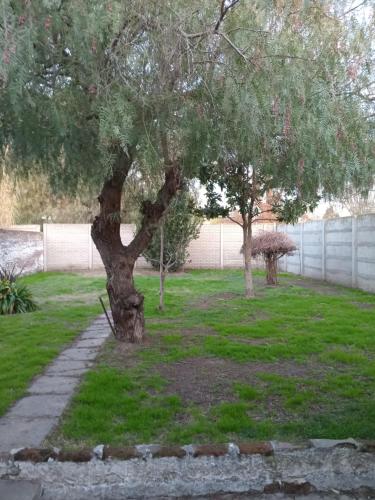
<point x="364" y="305"/>
<point x="209" y="381"/>
<point x="210" y="301"/>
<point x="317" y="286"/>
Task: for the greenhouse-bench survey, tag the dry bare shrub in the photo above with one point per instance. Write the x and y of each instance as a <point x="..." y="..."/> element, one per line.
<point x="7" y="200"/>
<point x="272" y="245"/>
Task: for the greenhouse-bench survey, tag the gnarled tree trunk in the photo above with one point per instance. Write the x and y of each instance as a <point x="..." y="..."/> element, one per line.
<point x="125" y="301"/>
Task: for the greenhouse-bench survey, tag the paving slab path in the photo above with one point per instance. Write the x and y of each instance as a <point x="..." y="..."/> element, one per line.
<point x="34" y="416"/>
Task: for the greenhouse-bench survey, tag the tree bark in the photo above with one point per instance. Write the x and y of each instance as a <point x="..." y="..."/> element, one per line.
<point x="247" y="237"/>
<point x="271" y="267"/>
<point x="125" y="301"/>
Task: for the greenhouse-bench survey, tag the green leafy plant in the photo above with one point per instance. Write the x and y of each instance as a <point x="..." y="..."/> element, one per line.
<point x="15" y="298"/>
<point x="180" y="226"/>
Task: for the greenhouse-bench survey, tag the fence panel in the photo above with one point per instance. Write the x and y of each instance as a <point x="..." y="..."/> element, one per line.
<point x="339" y="250"/>
<point x="66" y="246"/>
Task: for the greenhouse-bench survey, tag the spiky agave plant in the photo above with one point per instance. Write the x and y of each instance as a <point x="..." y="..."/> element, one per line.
<point x="10" y="272"/>
<point x="15" y="298"/>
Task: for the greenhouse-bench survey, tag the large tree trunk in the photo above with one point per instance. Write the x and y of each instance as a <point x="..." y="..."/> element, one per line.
<point x="247" y="238"/>
<point x="125" y="301"/>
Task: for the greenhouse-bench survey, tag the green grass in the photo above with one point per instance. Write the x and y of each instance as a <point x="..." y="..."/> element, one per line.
<point x="28" y="342"/>
<point x="295" y="362"/>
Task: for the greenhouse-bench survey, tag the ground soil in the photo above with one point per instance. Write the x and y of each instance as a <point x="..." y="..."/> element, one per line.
<point x="209" y="381"/>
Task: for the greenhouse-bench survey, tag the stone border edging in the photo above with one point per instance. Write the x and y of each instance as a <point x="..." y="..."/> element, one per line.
<point x="316" y="467"/>
<point x="154" y="451"/>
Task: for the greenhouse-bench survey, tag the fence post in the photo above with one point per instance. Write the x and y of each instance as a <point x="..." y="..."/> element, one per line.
<point x="323" y="250"/>
<point x="301" y="250"/>
<point x="221" y="246"/>
<point x="354" y="252"/>
<point x="90" y="247"/>
<point x="45" y="267"/>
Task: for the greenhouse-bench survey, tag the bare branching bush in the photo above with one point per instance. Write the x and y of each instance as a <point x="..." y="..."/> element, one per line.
<point x="7" y="200"/>
<point x="272" y="245"/>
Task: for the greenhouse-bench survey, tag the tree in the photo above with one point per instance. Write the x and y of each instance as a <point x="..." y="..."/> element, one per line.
<point x="272" y="245"/>
<point x="93" y="91"/>
<point x="35" y="200"/>
<point x="168" y="250"/>
<point x="330" y="213"/>
<point x="359" y="203"/>
<point x="180" y="226"/>
<point x="293" y="105"/>
<point x="8" y="200"/>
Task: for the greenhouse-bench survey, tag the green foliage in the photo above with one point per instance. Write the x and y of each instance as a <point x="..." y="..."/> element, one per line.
<point x="292" y="114"/>
<point x="180" y="225"/>
<point x="75" y="86"/>
<point x="15" y="298"/>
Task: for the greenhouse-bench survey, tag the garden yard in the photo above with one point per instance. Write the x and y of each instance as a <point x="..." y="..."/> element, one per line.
<point x="28" y="342"/>
<point x="295" y="362"/>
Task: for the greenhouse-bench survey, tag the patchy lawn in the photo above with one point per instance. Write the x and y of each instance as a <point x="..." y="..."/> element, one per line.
<point x="295" y="362"/>
<point x="28" y="342"/>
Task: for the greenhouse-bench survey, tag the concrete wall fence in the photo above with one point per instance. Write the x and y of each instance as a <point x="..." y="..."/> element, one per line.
<point x="69" y="246"/>
<point x="340" y="251"/>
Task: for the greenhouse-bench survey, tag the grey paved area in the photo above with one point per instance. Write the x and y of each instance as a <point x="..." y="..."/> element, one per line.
<point x="282" y="496"/>
<point x="19" y="490"/>
<point x="34" y="416"/>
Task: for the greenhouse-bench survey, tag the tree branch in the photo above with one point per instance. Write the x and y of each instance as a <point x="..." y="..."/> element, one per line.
<point x="355" y="8"/>
<point x="223" y="12"/>
<point x="234" y="47"/>
<point x="152" y="212"/>
<point x="234" y="220"/>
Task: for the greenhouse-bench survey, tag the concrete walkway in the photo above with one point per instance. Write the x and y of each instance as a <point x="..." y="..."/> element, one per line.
<point x="34" y="416"/>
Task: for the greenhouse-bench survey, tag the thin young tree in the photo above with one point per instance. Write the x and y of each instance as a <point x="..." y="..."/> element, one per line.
<point x="293" y="106"/>
<point x="180" y="224"/>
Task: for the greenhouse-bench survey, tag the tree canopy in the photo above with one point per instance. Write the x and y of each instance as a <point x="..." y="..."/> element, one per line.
<point x="294" y="108"/>
<point x="79" y="78"/>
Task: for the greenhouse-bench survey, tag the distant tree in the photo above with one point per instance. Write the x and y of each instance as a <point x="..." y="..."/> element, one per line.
<point x="330" y="213"/>
<point x="294" y="112"/>
<point x="272" y="245"/>
<point x="7" y="199"/>
<point x="359" y="203"/>
<point x="35" y="200"/>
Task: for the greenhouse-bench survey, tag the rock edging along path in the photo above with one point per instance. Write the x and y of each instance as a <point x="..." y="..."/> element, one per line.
<point x="319" y="467"/>
<point x="34" y="416"/>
